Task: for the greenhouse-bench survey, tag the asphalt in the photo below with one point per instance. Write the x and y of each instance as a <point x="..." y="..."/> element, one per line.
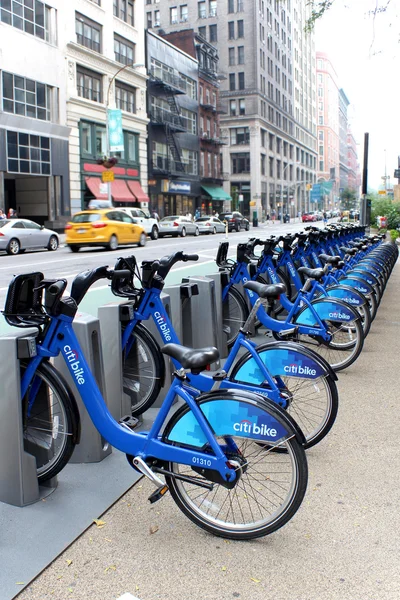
<point x="343" y="544"/>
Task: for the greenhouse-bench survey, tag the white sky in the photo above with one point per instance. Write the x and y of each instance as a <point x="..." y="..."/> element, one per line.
<point x="365" y="52"/>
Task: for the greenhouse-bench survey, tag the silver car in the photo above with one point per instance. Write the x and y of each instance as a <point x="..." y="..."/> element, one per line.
<point x="176" y="225"/>
<point x="210" y="225"/>
<point x="18" y="235"/>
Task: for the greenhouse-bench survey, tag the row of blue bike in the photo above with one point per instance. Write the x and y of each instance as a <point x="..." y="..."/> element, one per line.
<point x="232" y="455"/>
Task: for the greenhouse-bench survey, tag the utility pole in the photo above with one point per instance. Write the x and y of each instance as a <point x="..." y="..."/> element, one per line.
<point x="365" y="205"/>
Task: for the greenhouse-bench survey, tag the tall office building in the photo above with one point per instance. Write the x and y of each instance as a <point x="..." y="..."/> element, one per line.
<point x="264" y="57"/>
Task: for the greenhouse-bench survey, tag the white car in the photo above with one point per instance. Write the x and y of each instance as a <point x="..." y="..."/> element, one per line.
<point x="142" y="218"/>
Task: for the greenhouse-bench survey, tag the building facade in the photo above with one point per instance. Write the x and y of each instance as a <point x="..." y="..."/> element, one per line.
<point x="173" y="139"/>
<point x="34" y="134"/>
<point x="270" y="154"/>
<point x="353" y="167"/>
<point x="343" y="152"/>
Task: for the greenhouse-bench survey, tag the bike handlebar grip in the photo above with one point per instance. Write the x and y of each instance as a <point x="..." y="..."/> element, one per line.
<point x="187" y="257"/>
<point x="52" y="296"/>
<point x="121" y="274"/>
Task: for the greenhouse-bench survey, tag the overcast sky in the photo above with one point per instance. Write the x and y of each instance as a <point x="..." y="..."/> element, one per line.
<point x="365" y="52"/>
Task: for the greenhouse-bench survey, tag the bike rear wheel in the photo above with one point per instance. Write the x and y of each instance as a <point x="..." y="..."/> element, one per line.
<point x="50" y="426"/>
<point x="234" y="315"/>
<point x="269" y="492"/>
<point x="143" y="370"/>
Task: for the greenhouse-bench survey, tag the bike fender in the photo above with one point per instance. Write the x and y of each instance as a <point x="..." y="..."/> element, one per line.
<point x="328" y="310"/>
<point x="364" y="275"/>
<point x="228" y="414"/>
<point x="357" y="283"/>
<point x="283" y="360"/>
<point x="347" y="294"/>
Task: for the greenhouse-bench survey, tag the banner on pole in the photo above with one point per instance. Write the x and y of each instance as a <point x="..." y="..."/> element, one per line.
<point x="115" y="133"/>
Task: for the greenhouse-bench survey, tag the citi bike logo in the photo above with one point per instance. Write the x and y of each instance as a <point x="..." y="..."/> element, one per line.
<point x="246" y="426"/>
<point x="292" y="269"/>
<point x="299" y="370"/>
<point x="271" y="273"/>
<point x="351" y="300"/>
<point x="339" y="315"/>
<point x="163" y="326"/>
<point x="73" y="359"/>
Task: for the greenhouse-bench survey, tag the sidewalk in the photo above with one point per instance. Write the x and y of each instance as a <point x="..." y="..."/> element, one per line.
<point x="343" y="544"/>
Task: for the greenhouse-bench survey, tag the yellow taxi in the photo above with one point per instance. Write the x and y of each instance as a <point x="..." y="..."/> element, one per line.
<point x="108" y="227"/>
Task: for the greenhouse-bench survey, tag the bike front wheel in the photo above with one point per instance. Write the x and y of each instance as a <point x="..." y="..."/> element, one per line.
<point x="50" y="421"/>
<point x="268" y="493"/>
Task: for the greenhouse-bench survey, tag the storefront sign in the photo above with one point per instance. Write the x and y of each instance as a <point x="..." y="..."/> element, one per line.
<point x="180" y="187"/>
<point x="152" y="182"/>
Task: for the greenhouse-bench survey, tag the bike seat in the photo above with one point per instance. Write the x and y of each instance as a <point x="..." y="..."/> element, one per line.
<point x="196" y="359"/>
<point x="312" y="273"/>
<point x="272" y="291"/>
<point x="349" y="251"/>
<point x="331" y="260"/>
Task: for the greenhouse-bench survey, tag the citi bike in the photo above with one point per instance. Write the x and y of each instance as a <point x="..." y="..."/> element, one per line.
<point x="291" y="376"/>
<point x="217" y="454"/>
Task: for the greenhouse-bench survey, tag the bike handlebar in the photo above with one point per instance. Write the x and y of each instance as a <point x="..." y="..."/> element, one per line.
<point x="167" y="262"/>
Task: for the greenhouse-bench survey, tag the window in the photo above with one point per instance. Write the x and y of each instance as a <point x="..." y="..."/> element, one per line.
<point x="189" y="159"/>
<point x="124" y="50"/>
<point x="156" y="18"/>
<point x="188" y="85"/>
<point x="271" y="166"/>
<point x="26" y="97"/>
<point x="88" y="33"/>
<point x="271" y="141"/>
<point x="239" y="135"/>
<point x="173" y="15"/>
<point x="240" y="162"/>
<point x="213" y="8"/>
<point x="321" y="150"/>
<point x="231" y="30"/>
<point x="320" y="120"/>
<point x="86" y="138"/>
<point x="240" y="29"/>
<point x="96" y="2"/>
<point x="28" y="153"/>
<point x="231" y="56"/>
<point x="149" y="20"/>
<point x="89" y="84"/>
<point x="190" y="120"/>
<point x="240" y="5"/>
<point x="232" y="108"/>
<point x="232" y="81"/>
<point x="124" y="10"/>
<point x="183" y="13"/>
<point x="30" y="16"/>
<point x="202" y="11"/>
<point x="203" y="32"/>
<point x="231" y="6"/>
<point x="125" y="97"/>
<point x="242" y="106"/>
<point x="263" y="164"/>
<point x="241" y="81"/>
<point x="213" y="33"/>
<point x="240" y="55"/>
<point x="321" y="165"/>
<point x="321" y="135"/>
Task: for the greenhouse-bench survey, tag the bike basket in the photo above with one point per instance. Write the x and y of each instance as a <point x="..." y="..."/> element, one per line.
<point x="23" y="306"/>
<point x="125" y="287"/>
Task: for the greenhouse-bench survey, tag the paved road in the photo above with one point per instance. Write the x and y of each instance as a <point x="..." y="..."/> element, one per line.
<point x="64" y="263"/>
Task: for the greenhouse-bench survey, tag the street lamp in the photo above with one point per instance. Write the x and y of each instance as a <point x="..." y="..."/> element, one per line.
<point x="282" y="177"/>
<point x="108" y="151"/>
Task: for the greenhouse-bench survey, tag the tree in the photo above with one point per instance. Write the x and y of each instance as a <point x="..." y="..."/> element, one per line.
<point x="320" y="7"/>
<point x="348" y="199"/>
<point x="382" y="206"/>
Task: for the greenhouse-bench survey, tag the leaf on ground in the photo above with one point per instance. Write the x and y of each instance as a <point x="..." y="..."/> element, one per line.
<point x="60" y="577"/>
<point x="223" y="569"/>
<point x="255" y="580"/>
<point x="108" y="540"/>
<point x="99" y="523"/>
<point x="69" y="562"/>
<point x="20" y="583"/>
<point x="154" y="529"/>
<point x="110" y="568"/>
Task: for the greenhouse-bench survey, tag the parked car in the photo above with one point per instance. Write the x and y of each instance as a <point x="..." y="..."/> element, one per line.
<point x="18" y="235"/>
<point x="309" y="217"/>
<point x="108" y="227"/>
<point x="210" y="225"/>
<point x="177" y="225"/>
<point x="144" y="219"/>
<point x="236" y="221"/>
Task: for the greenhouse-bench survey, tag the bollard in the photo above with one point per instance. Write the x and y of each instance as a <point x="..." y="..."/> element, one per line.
<point x="200" y="315"/>
<point x="221" y="338"/>
<point x="18" y="480"/>
<point x="92" y="447"/>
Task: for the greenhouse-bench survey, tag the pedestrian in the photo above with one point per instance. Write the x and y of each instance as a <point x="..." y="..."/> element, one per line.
<point x="273" y="215"/>
<point x="267" y="218"/>
<point x="2" y="215"/>
<point x="189" y="216"/>
<point x="155" y="215"/>
<point x="325" y="217"/>
<point x="197" y="214"/>
<point x="12" y="214"/>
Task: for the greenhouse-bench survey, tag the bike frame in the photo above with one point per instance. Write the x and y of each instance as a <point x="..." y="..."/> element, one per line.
<point x="61" y="339"/>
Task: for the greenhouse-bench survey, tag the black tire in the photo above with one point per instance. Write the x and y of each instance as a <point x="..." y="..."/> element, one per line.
<point x="270" y="481"/>
<point x="74" y="247"/>
<point x="214" y="231"/>
<point x="13" y="247"/>
<point x="113" y="243"/>
<point x="51" y="442"/>
<point x="247" y="227"/>
<point x="143" y="370"/>
<point x="53" y="243"/>
<point x="154" y="233"/>
<point x="237" y="227"/>
<point x="142" y="240"/>
<point x="313" y="404"/>
<point x="197" y="231"/>
<point x="183" y="232"/>
<point x="234" y="315"/>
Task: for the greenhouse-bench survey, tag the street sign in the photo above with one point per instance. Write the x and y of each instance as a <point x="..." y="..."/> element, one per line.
<point x="107" y="176"/>
<point x="382" y="192"/>
<point x="253" y="203"/>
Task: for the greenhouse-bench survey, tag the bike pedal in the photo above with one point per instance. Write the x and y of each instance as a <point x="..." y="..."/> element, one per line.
<point x="158" y="494"/>
<point x="129" y="421"/>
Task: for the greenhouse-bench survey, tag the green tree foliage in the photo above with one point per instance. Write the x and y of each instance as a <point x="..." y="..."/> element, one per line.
<point x="348" y="199"/>
<point x="382" y="206"/>
<point x="318" y="9"/>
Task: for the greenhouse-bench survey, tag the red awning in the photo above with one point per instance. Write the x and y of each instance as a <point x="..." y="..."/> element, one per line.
<point x="137" y="191"/>
<point x="93" y="184"/>
<point x="120" y="191"/>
